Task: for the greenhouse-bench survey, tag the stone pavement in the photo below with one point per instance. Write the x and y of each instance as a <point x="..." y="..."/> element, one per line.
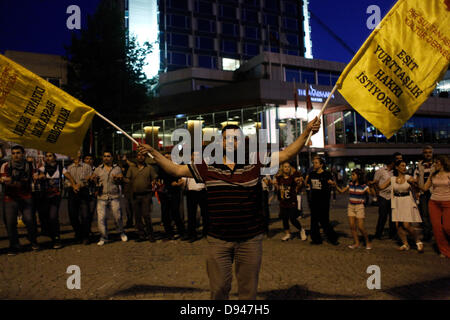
<point x="177" y="270"/>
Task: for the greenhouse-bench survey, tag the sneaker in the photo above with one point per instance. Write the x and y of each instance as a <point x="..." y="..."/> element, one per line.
<point x="419" y="247"/>
<point x="404" y="247"/>
<point x="124" y="237"/>
<point x="286" y="237"/>
<point x="101" y="242"/>
<point x="57" y="244"/>
<point x="303" y="235"/>
<point x="369" y="246"/>
<point x="354" y="246"/>
<point x="35" y="247"/>
<point x="13" y="251"/>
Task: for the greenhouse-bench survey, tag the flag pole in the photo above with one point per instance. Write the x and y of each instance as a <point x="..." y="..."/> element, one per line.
<point x="322" y="111"/>
<point x="118" y="128"/>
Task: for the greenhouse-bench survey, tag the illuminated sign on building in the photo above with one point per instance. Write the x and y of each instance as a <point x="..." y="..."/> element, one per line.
<point x="316" y="95"/>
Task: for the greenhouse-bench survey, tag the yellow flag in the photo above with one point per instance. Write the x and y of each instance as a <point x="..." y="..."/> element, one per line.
<point x="36" y="114"/>
<point x="399" y="65"/>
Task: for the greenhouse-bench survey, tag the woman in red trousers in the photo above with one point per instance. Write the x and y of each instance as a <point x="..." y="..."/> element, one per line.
<point x="439" y="205"/>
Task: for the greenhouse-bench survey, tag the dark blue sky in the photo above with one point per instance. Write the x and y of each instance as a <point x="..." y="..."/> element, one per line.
<point x="40" y="25"/>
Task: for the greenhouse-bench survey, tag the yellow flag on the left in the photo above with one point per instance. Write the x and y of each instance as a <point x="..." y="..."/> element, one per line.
<point x="38" y="115"/>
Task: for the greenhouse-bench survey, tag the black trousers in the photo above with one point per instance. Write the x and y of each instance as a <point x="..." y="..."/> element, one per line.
<point x="170" y="211"/>
<point x="79" y="215"/>
<point x="195" y="199"/>
<point x="320" y="217"/>
<point x="424" y="213"/>
<point x="266" y="211"/>
<point x="141" y="208"/>
<point x="49" y="211"/>
<point x="290" y="214"/>
<point x="384" y="213"/>
<point x="11" y="212"/>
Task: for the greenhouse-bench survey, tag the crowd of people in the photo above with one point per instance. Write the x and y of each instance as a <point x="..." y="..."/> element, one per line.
<point x="233" y="201"/>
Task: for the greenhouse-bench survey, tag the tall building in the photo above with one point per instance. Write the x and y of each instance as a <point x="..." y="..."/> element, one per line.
<point x="218" y="34"/>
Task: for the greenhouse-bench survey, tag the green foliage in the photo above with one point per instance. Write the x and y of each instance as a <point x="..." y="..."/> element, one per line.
<point x="105" y="66"/>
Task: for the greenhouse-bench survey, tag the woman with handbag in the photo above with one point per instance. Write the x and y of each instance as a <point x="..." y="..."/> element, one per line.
<point x="404" y="208"/>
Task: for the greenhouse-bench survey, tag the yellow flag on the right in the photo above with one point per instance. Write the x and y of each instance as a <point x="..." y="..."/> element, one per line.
<point x="399" y="65"/>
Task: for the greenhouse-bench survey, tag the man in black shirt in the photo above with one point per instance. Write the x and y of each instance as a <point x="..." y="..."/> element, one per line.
<point x="320" y="182"/>
<point x="169" y="192"/>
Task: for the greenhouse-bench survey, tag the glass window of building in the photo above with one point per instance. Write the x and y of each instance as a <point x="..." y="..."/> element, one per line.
<point x="252" y="3"/>
<point x="177" y="4"/>
<point x="230" y="64"/>
<point x="205" y="43"/>
<point x="290" y="23"/>
<point x="207" y="62"/>
<point x="250" y="16"/>
<point x="178" y="21"/>
<point x="334" y="78"/>
<point x="230" y="29"/>
<point x="229" y="46"/>
<point x="292" y="39"/>
<point x="179" y="40"/>
<point x="334" y="130"/>
<point x="203" y="7"/>
<point x="308" y="76"/>
<point x="228" y="12"/>
<point x="371" y="133"/>
<point x="251" y="49"/>
<point x="252" y="33"/>
<point x="179" y="58"/>
<point x="290" y="7"/>
<point x="361" y="128"/>
<point x="427" y="129"/>
<point x="324" y="78"/>
<point x="270" y="19"/>
<point x="349" y="125"/>
<point x="271" y="5"/>
<point x="292" y="75"/>
<point x="206" y="25"/>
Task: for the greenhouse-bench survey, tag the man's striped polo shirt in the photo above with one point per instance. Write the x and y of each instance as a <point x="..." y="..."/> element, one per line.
<point x="234" y="199"/>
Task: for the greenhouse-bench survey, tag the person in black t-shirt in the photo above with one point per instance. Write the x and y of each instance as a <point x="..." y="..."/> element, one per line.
<point x="320" y="182"/>
<point x="287" y="185"/>
<point x="169" y="191"/>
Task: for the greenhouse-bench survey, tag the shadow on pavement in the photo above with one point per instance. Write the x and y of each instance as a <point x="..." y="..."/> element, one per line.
<point x="427" y="290"/>
<point x="298" y="292"/>
<point x="149" y="289"/>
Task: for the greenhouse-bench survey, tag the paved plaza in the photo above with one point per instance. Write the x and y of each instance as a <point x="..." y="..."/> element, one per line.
<point x="177" y="270"/>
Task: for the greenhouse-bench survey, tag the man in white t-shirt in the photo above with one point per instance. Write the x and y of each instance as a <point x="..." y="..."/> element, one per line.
<point x="384" y="200"/>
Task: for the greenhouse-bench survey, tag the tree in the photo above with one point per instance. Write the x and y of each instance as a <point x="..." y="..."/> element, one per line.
<point x="105" y="68"/>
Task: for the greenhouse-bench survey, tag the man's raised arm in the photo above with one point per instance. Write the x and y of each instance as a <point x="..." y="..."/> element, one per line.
<point x="167" y="165"/>
<point x="298" y="144"/>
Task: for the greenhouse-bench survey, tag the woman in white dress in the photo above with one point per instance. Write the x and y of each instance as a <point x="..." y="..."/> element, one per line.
<point x="404" y="208"/>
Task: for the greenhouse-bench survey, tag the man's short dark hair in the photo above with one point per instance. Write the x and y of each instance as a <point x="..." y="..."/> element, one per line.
<point x="232" y="127"/>
<point x="107" y="151"/>
<point x="396" y="154"/>
<point x="17" y="147"/>
<point x="89" y="155"/>
<point x="428" y="147"/>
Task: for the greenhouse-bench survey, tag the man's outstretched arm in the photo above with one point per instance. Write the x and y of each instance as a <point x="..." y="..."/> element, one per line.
<point x="167" y="165"/>
<point x="298" y="144"/>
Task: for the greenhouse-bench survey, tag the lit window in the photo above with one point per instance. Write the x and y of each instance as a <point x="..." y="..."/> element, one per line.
<point x="230" y="64"/>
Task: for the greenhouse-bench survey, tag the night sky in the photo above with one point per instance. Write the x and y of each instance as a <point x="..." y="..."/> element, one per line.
<point x="40" y="25"/>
